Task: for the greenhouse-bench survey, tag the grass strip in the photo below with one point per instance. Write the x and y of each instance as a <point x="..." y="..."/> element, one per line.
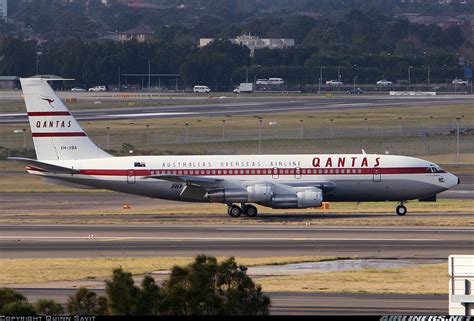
<point x="39" y="270"/>
<point x="420" y="279"/>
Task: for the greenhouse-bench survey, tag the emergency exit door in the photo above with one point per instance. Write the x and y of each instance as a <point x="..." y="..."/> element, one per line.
<point x="131" y="176"/>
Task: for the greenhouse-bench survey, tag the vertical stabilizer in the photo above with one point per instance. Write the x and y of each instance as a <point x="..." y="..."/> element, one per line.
<point x="56" y="134"/>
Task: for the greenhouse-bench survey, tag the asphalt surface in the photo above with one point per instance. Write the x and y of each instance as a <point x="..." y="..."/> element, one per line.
<point x="311" y="303"/>
<point x="63" y="240"/>
<point x="251" y="106"/>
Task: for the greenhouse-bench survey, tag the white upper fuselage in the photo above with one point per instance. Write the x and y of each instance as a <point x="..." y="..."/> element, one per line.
<point x="344" y="177"/>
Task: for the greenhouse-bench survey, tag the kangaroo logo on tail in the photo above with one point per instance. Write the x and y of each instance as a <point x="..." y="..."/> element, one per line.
<point x="49" y="100"/>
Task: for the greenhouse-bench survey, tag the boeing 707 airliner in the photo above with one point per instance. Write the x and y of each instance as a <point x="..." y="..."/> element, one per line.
<point x="67" y="156"/>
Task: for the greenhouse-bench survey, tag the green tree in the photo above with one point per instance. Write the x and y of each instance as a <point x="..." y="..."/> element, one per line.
<point x="241" y="295"/>
<point x="149" y="298"/>
<point x="85" y="302"/>
<point x="9" y="296"/>
<point x="14" y="303"/>
<point x="122" y="294"/>
<point x="48" y="307"/>
<point x="18" y="308"/>
<point x="207" y="288"/>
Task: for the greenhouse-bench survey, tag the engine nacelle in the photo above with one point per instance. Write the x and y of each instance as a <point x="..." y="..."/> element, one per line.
<point x="259" y="193"/>
<point x="311" y="197"/>
<point x="252" y="194"/>
<point x="229" y="195"/>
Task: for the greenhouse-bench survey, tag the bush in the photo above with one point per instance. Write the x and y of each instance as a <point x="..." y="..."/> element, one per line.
<point x="85" y="302"/>
<point x="48" y="307"/>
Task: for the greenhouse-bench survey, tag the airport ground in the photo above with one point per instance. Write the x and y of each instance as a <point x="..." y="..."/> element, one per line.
<point x="61" y="227"/>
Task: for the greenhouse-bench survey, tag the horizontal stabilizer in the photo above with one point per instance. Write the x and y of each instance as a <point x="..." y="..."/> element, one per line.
<point x="42" y="166"/>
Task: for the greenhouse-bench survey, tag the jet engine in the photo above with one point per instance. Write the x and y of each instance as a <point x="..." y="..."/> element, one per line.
<point x="311" y="197"/>
<point x="251" y="194"/>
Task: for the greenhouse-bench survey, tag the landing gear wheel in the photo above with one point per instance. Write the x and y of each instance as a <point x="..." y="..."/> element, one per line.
<point x="401" y="210"/>
<point x="234" y="211"/>
<point x="250" y="210"/>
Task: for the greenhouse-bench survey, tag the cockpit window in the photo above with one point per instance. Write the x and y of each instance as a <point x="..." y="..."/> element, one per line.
<point x="436" y="169"/>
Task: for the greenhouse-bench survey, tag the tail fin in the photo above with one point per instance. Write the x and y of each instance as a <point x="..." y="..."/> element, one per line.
<point x="56" y="134"/>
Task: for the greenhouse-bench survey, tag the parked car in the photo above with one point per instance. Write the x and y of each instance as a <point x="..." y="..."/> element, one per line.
<point x="460" y="82"/>
<point x="261" y="82"/>
<point x="355" y="91"/>
<point x="462" y="131"/>
<point x="98" y="88"/>
<point x="402" y="82"/>
<point x="77" y="89"/>
<point x="275" y="81"/>
<point x="201" y="89"/>
<point x="384" y="82"/>
<point x="334" y="82"/>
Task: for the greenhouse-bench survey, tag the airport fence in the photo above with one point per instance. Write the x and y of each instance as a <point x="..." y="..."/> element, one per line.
<point x="270" y="138"/>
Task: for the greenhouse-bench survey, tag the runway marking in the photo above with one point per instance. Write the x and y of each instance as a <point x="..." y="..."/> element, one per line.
<point x="153" y="238"/>
<point x="151" y="114"/>
<point x="348" y="229"/>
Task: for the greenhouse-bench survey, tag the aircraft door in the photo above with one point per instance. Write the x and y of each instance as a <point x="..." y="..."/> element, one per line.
<point x="297" y="173"/>
<point x="275" y="173"/>
<point x="131" y="176"/>
<point x="377" y="175"/>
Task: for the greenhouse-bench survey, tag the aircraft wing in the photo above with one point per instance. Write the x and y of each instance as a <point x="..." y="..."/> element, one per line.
<point x="195" y="187"/>
<point x="45" y="167"/>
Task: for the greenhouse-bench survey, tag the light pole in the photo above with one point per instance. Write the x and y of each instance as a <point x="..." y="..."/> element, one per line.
<point x="400" y="128"/>
<point x="320" y="78"/>
<point x="366" y="127"/>
<point x="108" y="136"/>
<point x="223" y="129"/>
<point x="186" y="132"/>
<point x="332" y="136"/>
<point x="301" y="129"/>
<point x="38" y="54"/>
<point x="149" y="73"/>
<point x="458" y="119"/>
<point x="355" y="78"/>
<point x="147" y="139"/>
<point x="409" y="74"/>
<point x="118" y="83"/>
<point x="260" y="134"/>
<point x="428" y="64"/>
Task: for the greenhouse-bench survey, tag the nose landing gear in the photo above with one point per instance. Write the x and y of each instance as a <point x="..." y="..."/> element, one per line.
<point x="246" y="209"/>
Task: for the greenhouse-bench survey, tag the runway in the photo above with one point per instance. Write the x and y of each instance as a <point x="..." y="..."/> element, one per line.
<point x="166" y="240"/>
<point x="287" y="303"/>
<point x="250" y="106"/>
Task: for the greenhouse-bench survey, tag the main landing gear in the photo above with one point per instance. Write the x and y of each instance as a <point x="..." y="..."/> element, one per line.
<point x="401" y="209"/>
<point x="246" y="209"/>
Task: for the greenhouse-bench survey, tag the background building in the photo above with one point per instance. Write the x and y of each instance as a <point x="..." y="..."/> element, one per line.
<point x="3" y="9"/>
<point x="140" y="34"/>
<point x="254" y="42"/>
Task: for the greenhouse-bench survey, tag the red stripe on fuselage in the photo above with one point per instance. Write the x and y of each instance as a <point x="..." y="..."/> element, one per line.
<point x="49" y="113"/>
<point x="258" y="171"/>
<point x="58" y="134"/>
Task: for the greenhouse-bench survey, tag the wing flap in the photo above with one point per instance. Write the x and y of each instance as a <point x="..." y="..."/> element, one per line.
<point x="186" y="179"/>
